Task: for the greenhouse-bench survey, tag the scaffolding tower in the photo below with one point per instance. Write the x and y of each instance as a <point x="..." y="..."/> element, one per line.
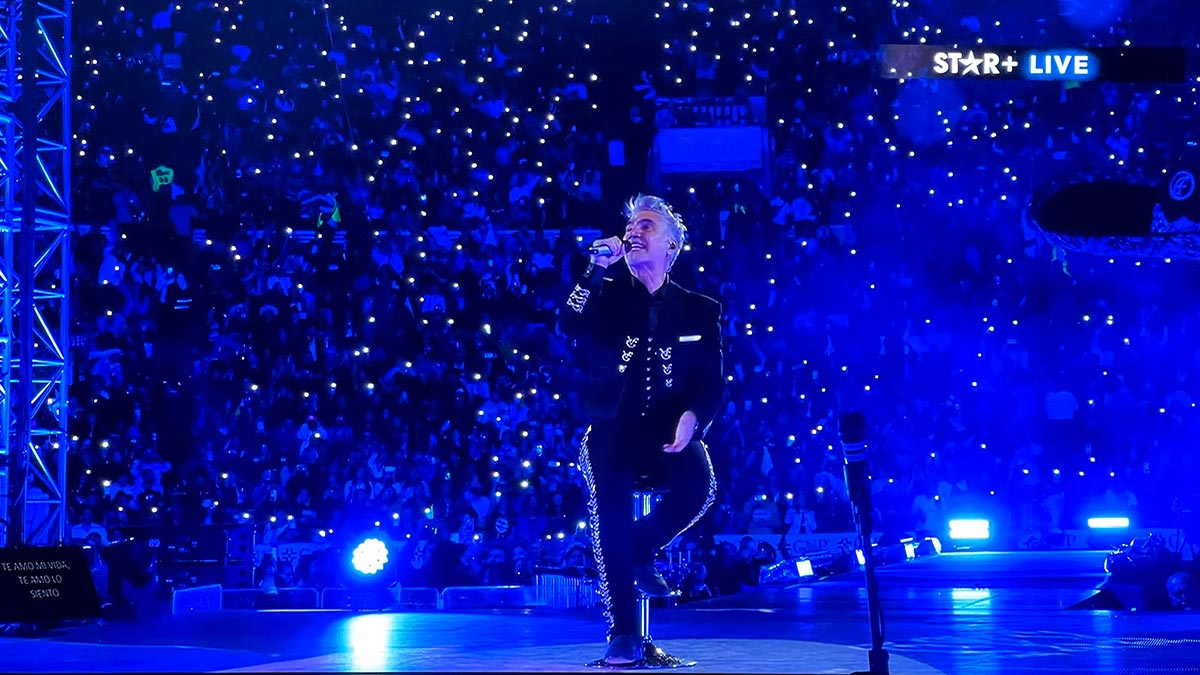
<point x="35" y="177"/>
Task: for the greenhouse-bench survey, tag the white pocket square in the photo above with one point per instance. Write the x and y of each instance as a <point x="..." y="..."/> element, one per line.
<point x="689" y="338"/>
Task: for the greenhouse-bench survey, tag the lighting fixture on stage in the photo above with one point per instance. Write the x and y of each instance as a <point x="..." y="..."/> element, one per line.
<point x="804" y="568"/>
<point x="929" y="546"/>
<point x="893" y="552"/>
<point x="370" y="556"/>
<point x="787" y="571"/>
<point x="970" y="529"/>
<point x="1108" y="523"/>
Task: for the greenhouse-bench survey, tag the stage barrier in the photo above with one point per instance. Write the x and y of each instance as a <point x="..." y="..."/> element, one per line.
<point x="284" y="598"/>
<point x="563" y="592"/>
<point x="197" y="599"/>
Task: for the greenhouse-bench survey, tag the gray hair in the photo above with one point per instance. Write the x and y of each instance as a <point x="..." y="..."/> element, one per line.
<point x="676" y="230"/>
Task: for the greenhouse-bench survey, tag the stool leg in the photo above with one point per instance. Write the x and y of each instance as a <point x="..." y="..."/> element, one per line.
<point x="644" y="617"/>
<point x="653" y="657"/>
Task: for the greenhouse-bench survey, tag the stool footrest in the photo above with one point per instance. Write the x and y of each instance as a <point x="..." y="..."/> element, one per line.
<point x="655" y="657"/>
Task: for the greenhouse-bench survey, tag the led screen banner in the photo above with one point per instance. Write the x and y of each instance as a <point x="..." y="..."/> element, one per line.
<point x="711" y="150"/>
<point x="46" y="584"/>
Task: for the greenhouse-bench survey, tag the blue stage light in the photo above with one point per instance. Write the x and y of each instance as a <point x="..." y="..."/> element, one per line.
<point x="370" y="556"/>
<point x="970" y="529"/>
<point x="1108" y="523"/>
<point x="804" y="568"/>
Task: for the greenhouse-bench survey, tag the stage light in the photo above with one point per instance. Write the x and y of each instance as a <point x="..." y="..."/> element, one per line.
<point x="929" y="546"/>
<point x="787" y="571"/>
<point x="804" y="568"/>
<point x="970" y="529"/>
<point x="1108" y="523"/>
<point x="370" y="556"/>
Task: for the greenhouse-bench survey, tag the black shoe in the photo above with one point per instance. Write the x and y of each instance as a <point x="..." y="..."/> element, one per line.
<point x="623" y="650"/>
<point x="650" y="582"/>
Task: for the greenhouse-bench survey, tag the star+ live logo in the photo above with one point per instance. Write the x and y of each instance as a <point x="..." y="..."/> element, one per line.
<point x="1010" y="62"/>
<point x="972" y="64"/>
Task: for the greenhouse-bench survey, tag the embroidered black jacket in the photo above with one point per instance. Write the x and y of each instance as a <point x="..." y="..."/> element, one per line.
<point x="647" y="356"/>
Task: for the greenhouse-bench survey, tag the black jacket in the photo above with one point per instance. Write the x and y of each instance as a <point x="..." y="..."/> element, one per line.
<point x="679" y="362"/>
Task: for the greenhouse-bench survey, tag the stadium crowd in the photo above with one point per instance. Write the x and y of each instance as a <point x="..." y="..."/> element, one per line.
<point x="323" y="248"/>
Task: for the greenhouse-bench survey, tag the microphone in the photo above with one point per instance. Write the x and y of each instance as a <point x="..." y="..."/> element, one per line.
<point x="852" y="428"/>
<point x="605" y="249"/>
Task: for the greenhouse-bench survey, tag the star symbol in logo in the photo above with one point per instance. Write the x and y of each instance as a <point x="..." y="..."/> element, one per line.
<point x="971" y="63"/>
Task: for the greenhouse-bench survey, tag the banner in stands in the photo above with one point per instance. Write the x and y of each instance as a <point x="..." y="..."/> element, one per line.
<point x="290" y="552"/>
<point x="46" y="584"/>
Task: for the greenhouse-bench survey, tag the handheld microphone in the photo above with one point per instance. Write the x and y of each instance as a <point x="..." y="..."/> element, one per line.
<point x="605" y="249"/>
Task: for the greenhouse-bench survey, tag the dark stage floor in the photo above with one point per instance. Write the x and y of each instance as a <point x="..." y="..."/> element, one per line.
<point x="957" y="613"/>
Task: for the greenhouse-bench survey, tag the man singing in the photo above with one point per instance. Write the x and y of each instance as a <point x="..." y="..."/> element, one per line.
<point x="653" y="353"/>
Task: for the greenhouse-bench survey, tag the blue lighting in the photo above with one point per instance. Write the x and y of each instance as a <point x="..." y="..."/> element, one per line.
<point x="1108" y="523"/>
<point x="970" y="529"/>
<point x="970" y="594"/>
<point x="370" y="556"/>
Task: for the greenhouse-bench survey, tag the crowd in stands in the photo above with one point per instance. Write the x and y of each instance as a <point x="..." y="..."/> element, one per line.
<point x="338" y="236"/>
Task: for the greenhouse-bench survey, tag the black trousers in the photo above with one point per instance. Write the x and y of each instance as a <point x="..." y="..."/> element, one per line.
<point x="614" y="457"/>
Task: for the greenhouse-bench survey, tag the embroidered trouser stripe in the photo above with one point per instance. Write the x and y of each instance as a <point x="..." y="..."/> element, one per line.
<point x="585" y="462"/>
<point x="612" y="455"/>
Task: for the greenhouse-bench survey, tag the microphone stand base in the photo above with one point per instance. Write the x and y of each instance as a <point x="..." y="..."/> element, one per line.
<point x="877" y="660"/>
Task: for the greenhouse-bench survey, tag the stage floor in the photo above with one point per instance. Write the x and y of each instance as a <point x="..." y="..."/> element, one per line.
<point x="956" y="613"/>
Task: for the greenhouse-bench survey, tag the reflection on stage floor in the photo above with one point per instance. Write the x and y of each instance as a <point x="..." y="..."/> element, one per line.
<point x="956" y="613"/>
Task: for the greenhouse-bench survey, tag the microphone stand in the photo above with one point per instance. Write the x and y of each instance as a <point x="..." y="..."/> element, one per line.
<point x="853" y="431"/>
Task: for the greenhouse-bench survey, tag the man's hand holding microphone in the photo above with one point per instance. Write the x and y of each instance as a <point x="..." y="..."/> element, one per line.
<point x="607" y="251"/>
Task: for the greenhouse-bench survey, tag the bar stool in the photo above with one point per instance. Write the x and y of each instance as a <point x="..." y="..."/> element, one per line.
<point x="653" y="657"/>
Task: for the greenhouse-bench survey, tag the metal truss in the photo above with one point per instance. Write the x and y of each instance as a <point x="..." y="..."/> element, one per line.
<point x="35" y="177"/>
